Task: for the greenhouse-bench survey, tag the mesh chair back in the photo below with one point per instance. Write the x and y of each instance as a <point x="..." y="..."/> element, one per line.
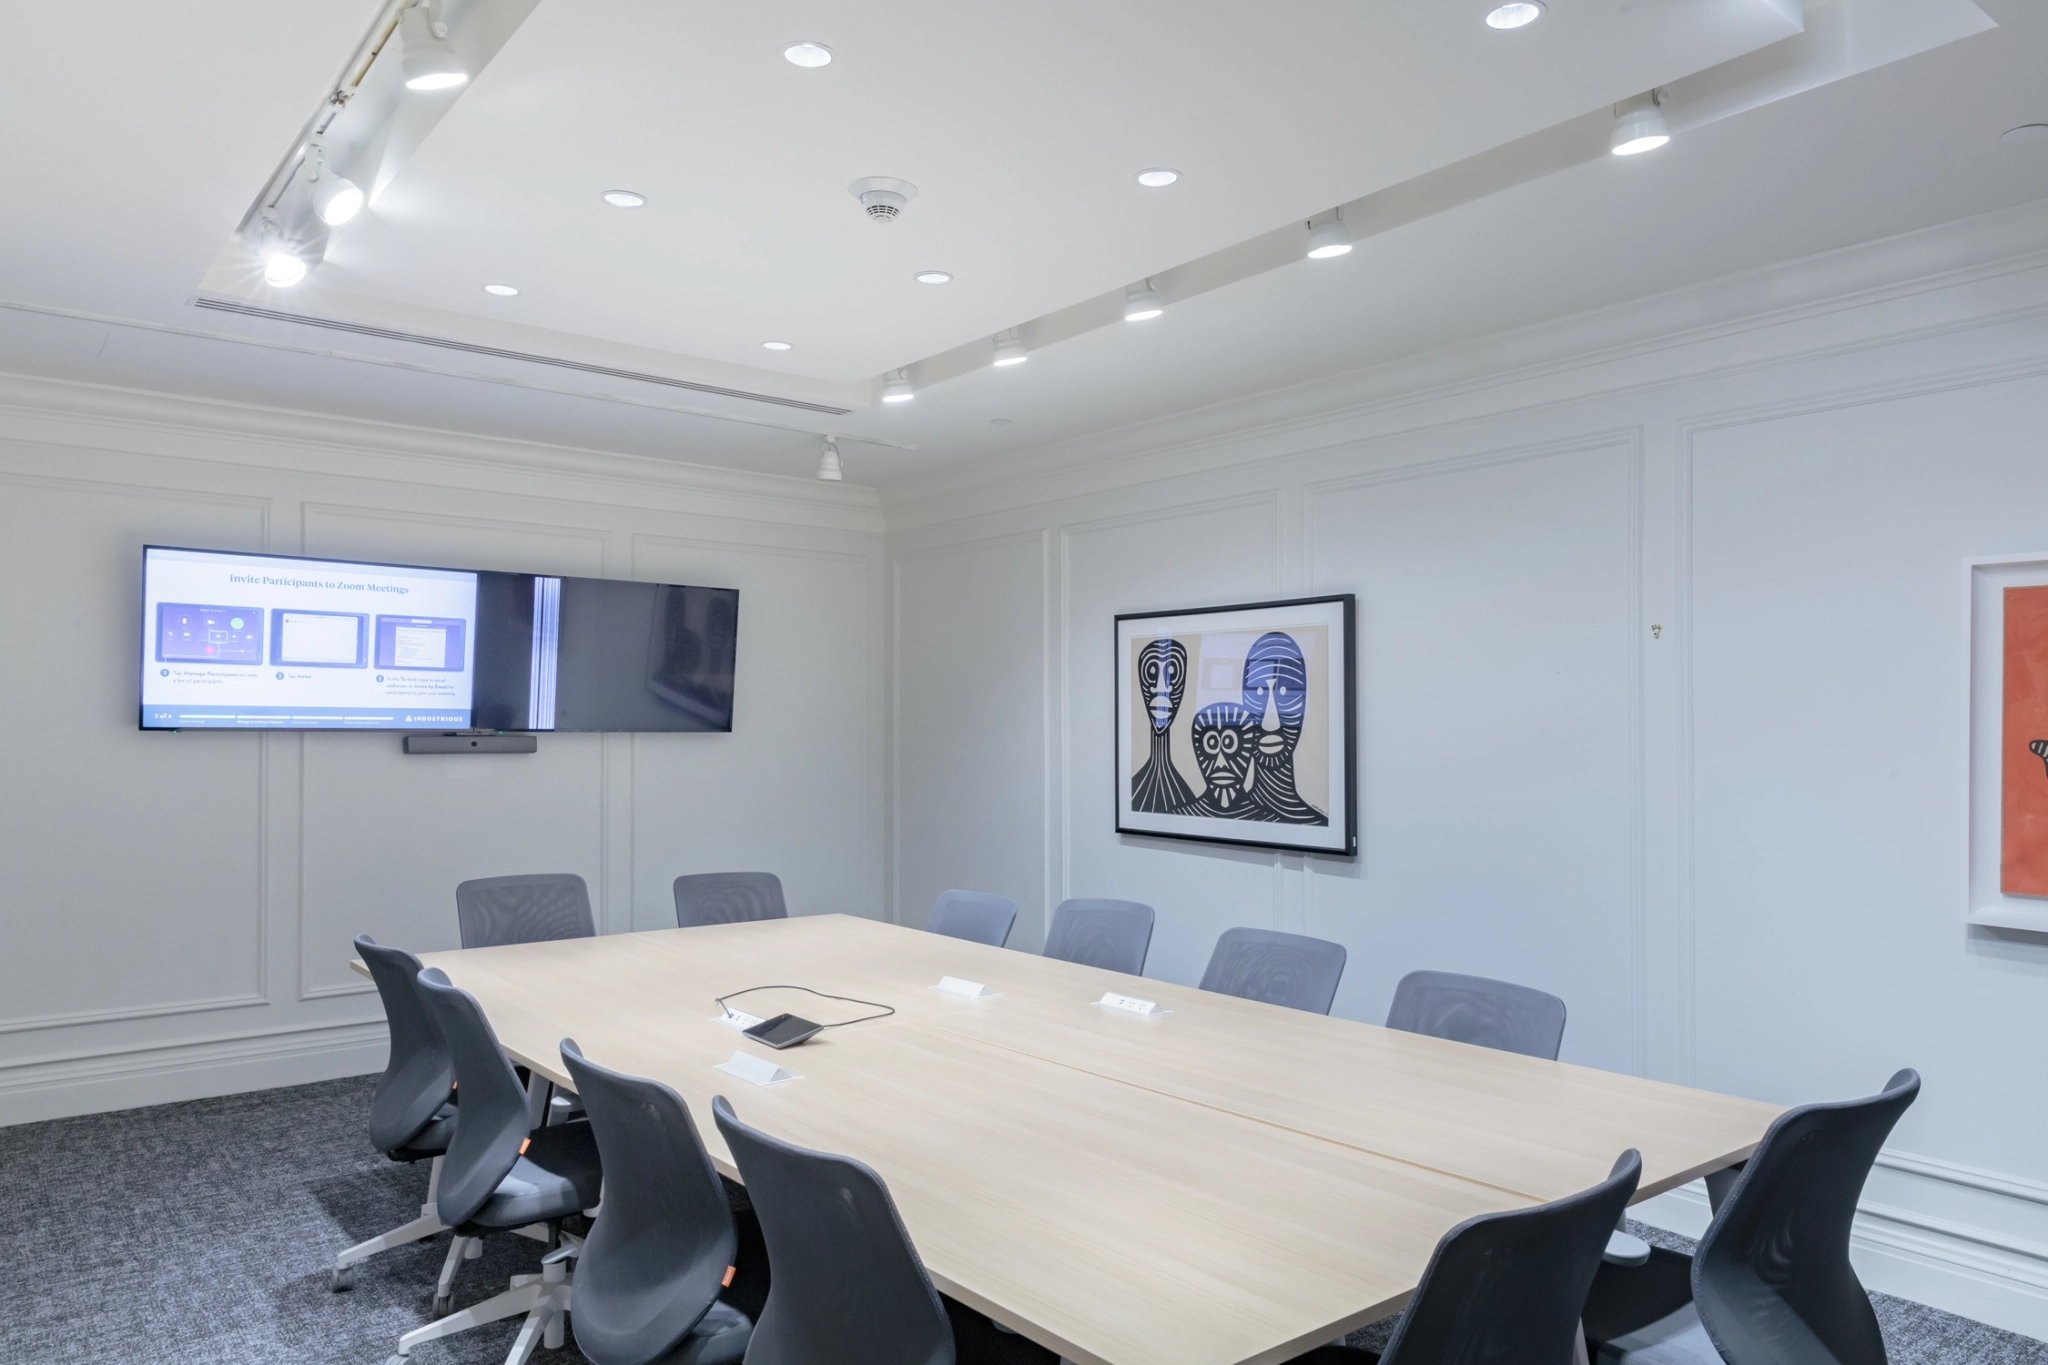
<point x="1507" y="1288"/>
<point x="974" y="916"/>
<point x="536" y="908"/>
<point x="1481" y="1011"/>
<point x="1771" y="1277"/>
<point x="418" y="1077"/>
<point x="845" y="1286"/>
<point x="1101" y="933"/>
<point x="491" y="1120"/>
<point x="728" y="898"/>
<point x="654" y="1262"/>
<point x="1280" y="969"/>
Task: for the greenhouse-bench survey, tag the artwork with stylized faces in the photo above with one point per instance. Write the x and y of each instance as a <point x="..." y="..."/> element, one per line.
<point x="1235" y="725"/>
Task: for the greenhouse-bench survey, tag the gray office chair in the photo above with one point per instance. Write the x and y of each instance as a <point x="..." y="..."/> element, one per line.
<point x="1480" y="1011"/>
<point x="536" y="908"/>
<point x="648" y="1277"/>
<point x="1506" y="1288"/>
<point x="502" y="1176"/>
<point x="845" y="1286"/>
<point x="728" y="898"/>
<point x="1101" y="933"/>
<point x="973" y="915"/>
<point x="411" y="1118"/>
<point x="1280" y="969"/>
<point x="1770" y="1282"/>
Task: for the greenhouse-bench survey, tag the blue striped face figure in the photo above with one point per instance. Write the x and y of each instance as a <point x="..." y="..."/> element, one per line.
<point x="1224" y="734"/>
<point x="1276" y="692"/>
<point x="1162" y="675"/>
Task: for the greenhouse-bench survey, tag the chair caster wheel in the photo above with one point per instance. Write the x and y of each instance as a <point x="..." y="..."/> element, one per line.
<point x="344" y="1279"/>
<point x="444" y="1304"/>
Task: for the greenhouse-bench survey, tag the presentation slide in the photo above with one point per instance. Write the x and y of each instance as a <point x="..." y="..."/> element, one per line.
<point x="238" y="641"/>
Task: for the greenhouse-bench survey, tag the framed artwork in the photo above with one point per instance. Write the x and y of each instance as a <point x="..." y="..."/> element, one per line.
<point x="2023" y="745"/>
<point x="1235" y="725"/>
<point x="2006" y="739"/>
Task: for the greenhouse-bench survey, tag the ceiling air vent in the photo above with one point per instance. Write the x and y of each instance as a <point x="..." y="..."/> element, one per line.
<point x="248" y="310"/>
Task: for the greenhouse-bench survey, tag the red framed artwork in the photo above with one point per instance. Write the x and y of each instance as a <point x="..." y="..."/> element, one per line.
<point x="2023" y="745"/>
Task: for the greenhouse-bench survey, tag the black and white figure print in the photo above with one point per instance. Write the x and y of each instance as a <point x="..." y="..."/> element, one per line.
<point x="1235" y="725"/>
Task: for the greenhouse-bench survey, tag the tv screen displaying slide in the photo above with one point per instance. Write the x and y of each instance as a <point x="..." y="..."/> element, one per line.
<point x="254" y="642"/>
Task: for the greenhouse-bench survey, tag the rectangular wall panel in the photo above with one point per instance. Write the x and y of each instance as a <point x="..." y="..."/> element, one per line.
<point x="1499" y="712"/>
<point x="795" y="789"/>
<point x="133" y="861"/>
<point x="969" y="712"/>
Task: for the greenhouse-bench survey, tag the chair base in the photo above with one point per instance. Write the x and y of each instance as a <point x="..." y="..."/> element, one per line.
<point x="543" y="1298"/>
<point x="418" y="1230"/>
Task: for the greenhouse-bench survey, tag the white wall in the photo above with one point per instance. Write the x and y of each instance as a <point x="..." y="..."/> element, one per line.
<point x="1661" y="684"/>
<point x="178" y="907"/>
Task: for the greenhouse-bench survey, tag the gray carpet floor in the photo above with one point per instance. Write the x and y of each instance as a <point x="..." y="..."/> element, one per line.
<point x="205" y="1232"/>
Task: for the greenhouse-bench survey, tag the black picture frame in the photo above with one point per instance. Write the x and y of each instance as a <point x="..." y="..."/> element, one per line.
<point x="1240" y="790"/>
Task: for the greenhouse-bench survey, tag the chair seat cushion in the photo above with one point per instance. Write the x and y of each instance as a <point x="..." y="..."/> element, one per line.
<point x="1677" y="1338"/>
<point x="719" y="1338"/>
<point x="558" y="1175"/>
<point x="430" y="1141"/>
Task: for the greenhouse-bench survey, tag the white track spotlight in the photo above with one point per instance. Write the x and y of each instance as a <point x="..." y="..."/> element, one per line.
<point x="1328" y="238"/>
<point x="1140" y="303"/>
<point x="287" y="256"/>
<point x="336" y="198"/>
<point x="1639" y="125"/>
<point x="1010" y="349"/>
<point x="430" y="61"/>
<point x="896" y="387"/>
<point x="289" y="239"/>
<point x="829" y="468"/>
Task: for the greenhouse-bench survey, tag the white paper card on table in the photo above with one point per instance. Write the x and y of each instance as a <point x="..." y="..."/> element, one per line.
<point x="966" y="990"/>
<point x="1129" y="1004"/>
<point x="758" y="1070"/>
<point x="733" y="1018"/>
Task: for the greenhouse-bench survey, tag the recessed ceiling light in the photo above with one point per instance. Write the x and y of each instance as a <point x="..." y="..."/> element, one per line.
<point x="624" y="199"/>
<point x="2026" y="132"/>
<point x="1158" y="178"/>
<point x="1514" y="14"/>
<point x="808" y="55"/>
<point x="933" y="277"/>
<point x="503" y="291"/>
<point x="774" y="345"/>
<point x="999" y="421"/>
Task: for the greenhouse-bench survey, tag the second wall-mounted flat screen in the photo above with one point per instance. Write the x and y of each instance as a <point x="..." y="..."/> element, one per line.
<point x="603" y="654"/>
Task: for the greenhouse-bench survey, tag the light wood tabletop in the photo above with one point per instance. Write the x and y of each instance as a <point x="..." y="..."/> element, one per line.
<point x="1227" y="1183"/>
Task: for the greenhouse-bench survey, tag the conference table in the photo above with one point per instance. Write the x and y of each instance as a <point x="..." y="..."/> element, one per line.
<point x="1222" y="1183"/>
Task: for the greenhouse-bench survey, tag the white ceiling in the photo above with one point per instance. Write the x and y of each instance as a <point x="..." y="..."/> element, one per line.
<point x="1022" y="125"/>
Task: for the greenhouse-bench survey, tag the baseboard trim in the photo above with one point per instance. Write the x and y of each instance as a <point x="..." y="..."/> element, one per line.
<point x="1972" y="1271"/>
<point x="160" y="1073"/>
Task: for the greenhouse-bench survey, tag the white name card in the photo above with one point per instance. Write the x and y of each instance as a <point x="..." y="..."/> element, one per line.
<point x="733" y="1018"/>
<point x="966" y="990"/>
<point x="1130" y="1004"/>
<point x="758" y="1070"/>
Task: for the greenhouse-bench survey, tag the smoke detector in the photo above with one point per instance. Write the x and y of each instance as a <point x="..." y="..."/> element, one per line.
<point x="882" y="197"/>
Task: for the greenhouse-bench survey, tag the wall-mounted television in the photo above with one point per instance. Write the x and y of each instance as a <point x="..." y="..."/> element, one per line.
<point x="279" y="642"/>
